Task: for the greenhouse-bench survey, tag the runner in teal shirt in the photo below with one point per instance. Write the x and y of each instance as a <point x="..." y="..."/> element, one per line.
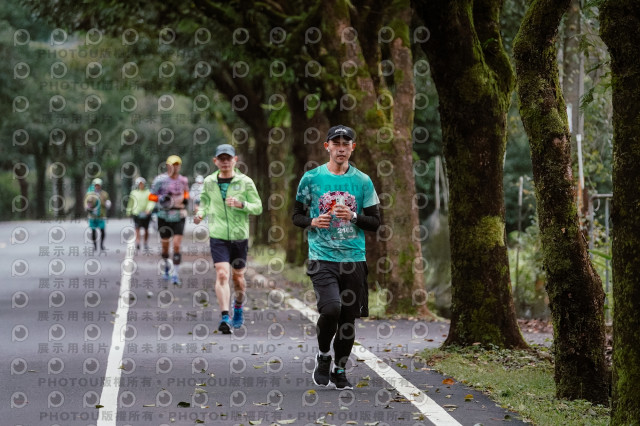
<point x="336" y="203"/>
<point x="323" y="192"/>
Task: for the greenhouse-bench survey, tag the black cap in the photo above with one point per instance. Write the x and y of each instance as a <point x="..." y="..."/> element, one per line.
<point x="225" y="149"/>
<point x="340" y="130"/>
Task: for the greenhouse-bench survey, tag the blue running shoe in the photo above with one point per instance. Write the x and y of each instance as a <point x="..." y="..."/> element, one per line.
<point x="165" y="274"/>
<point x="238" y="317"/>
<point x="175" y="279"/>
<point x="225" y="325"/>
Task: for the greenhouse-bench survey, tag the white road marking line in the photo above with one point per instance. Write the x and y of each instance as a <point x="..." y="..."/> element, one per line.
<point x="427" y="406"/>
<point x="109" y="399"/>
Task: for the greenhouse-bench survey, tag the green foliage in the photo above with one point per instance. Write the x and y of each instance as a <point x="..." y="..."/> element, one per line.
<point x="521" y="381"/>
<point x="527" y="274"/>
<point x="105" y="139"/>
<point x="517" y="164"/>
<point x="8" y="191"/>
<point x="14" y="17"/>
<point x="427" y="132"/>
<point x="437" y="250"/>
<point x="596" y="104"/>
<point x="377" y="304"/>
<point x="512" y="13"/>
<point x="601" y="258"/>
<point x="263" y="255"/>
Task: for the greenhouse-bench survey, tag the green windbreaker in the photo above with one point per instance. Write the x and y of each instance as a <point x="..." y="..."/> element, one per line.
<point x="229" y="223"/>
<point x="139" y="202"/>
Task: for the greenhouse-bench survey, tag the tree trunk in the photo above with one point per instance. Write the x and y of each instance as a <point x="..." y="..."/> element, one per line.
<point x="620" y="20"/>
<point x="60" y="205"/>
<point x="79" y="193"/>
<point x="261" y="178"/>
<point x="382" y="116"/>
<point x="24" y="192"/>
<point x="575" y="290"/>
<point x="474" y="82"/>
<point x="112" y="189"/>
<point x="41" y="189"/>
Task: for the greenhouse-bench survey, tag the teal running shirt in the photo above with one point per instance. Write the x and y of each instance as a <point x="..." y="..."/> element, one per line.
<point x="321" y="191"/>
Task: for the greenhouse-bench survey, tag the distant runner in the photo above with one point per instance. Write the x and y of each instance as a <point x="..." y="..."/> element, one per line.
<point x="139" y="208"/>
<point x="97" y="203"/>
<point x="170" y="192"/>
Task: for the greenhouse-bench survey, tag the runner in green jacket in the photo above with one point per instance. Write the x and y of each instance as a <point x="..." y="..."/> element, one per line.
<point x="227" y="200"/>
<point x="139" y="209"/>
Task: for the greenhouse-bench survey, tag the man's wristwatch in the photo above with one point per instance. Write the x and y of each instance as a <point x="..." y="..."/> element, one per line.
<point x="354" y="218"/>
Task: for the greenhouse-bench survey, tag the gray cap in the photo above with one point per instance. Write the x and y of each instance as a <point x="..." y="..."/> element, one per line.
<point x="225" y="148"/>
<point x="340" y="130"/>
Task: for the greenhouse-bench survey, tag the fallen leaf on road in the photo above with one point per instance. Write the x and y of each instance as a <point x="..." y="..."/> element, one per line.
<point x="448" y="382"/>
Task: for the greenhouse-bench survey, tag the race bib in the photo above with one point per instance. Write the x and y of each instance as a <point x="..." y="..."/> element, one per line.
<point x="339" y="230"/>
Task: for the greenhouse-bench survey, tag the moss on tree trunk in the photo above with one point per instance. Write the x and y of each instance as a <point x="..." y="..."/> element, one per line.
<point x="575" y="289"/>
<point x="474" y="82"/>
<point x="620" y="24"/>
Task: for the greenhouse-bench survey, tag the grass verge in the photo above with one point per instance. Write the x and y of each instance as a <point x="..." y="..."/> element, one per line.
<point x="275" y="261"/>
<point x="520" y="381"/>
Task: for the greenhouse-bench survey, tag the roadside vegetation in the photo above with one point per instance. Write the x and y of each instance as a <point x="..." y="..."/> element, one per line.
<point x="520" y="381"/>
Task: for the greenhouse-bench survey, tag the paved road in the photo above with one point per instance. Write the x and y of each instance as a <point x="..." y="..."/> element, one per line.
<point x="100" y="339"/>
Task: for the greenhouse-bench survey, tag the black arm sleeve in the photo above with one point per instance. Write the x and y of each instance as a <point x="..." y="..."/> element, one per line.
<point x="300" y="215"/>
<point x="369" y="220"/>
